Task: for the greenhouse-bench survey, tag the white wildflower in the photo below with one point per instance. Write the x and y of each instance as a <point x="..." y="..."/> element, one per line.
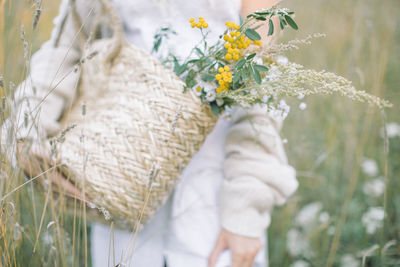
<point x="47" y="238"/>
<point x="297" y="244"/>
<point x="374" y="188"/>
<point x="282" y="111"/>
<point x="282" y="60"/>
<point x="210" y="96"/>
<point x="253" y="91"/>
<point x="300" y="263"/>
<point x="393" y="130"/>
<point x="265" y="98"/>
<point x="258" y="60"/>
<point x="273" y="73"/>
<point x="284" y="107"/>
<point x="302" y="106"/>
<point x="369" y="167"/>
<point x="197" y="90"/>
<point x="276" y="113"/>
<point x="349" y="260"/>
<point x="18" y="229"/>
<point x="324" y="217"/>
<point x="219" y="101"/>
<point x="373" y="219"/>
<point x="208" y="88"/>
<point x="300" y="96"/>
<point x="331" y="230"/>
<point x="284" y="141"/>
<point x="306" y="217"/>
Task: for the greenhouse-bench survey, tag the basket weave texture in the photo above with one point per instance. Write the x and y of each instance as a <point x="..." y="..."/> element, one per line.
<point x="138" y="133"/>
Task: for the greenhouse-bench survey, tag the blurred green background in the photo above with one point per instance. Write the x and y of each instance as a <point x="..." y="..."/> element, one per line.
<point x="347" y="182"/>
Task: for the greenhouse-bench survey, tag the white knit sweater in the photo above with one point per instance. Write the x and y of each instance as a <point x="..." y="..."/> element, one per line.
<point x="257" y="174"/>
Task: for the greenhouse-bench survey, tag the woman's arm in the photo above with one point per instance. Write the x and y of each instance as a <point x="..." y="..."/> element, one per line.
<point x="51" y="84"/>
<point x="257" y="175"/>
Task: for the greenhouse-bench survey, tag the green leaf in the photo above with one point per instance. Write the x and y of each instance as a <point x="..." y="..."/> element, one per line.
<point x="245" y="73"/>
<point x="176" y="64"/>
<point x="251" y="56"/>
<point x="190" y="79"/>
<point x="270" y="27"/>
<point x="256" y="75"/>
<point x="181" y="69"/>
<point x="192" y="61"/>
<point x="240" y="20"/>
<point x="262" y="12"/>
<point x="236" y="78"/>
<point x="291" y="22"/>
<point x="282" y="22"/>
<point x="261" y="18"/>
<point x="240" y="63"/>
<point x="214" y="108"/>
<point x="207" y="77"/>
<point x="199" y="52"/>
<point x="252" y="34"/>
<point x="261" y="67"/>
<point x="157" y="45"/>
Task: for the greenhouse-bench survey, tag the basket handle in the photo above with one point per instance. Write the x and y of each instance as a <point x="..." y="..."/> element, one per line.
<point x="116" y="27"/>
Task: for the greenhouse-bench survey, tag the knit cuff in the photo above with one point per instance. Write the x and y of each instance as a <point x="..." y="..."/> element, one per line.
<point x="239" y="216"/>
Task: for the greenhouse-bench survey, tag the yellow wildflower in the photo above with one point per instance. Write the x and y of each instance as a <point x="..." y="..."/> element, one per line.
<point x="200" y="24"/>
<point x="256" y="42"/>
<point x="228" y="56"/>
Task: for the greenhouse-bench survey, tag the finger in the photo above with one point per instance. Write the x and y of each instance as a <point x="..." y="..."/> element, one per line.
<point x="220" y="246"/>
<point x="39" y="151"/>
<point x="238" y="260"/>
<point x="31" y="166"/>
<point x="243" y="259"/>
<point x="58" y="179"/>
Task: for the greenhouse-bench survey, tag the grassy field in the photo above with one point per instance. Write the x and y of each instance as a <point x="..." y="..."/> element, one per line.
<point x="346" y="211"/>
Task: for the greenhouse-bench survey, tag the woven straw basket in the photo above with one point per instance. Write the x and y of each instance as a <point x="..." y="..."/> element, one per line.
<point x="139" y="131"/>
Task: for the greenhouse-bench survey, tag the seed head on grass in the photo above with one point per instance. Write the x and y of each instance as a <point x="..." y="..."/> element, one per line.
<point x="38" y="11"/>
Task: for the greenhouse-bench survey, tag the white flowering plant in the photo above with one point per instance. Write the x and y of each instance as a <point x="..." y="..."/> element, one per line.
<point x="238" y="70"/>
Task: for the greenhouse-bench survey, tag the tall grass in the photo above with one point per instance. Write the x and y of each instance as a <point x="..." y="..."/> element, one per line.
<point x="327" y="143"/>
<point x="35" y="229"/>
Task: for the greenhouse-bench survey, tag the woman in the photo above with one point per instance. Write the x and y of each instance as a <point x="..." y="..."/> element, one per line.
<point x="220" y="209"/>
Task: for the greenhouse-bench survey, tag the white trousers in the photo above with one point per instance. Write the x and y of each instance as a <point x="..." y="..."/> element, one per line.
<point x="184" y="230"/>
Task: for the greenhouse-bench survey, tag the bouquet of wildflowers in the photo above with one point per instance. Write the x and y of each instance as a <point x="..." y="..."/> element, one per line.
<point x="238" y="70"/>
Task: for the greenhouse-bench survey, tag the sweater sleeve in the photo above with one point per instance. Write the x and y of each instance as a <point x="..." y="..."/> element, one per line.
<point x="257" y="174"/>
<point x="50" y="87"/>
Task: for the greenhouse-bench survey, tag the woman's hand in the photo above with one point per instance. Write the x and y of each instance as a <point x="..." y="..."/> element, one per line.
<point x="35" y="160"/>
<point x="244" y="249"/>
